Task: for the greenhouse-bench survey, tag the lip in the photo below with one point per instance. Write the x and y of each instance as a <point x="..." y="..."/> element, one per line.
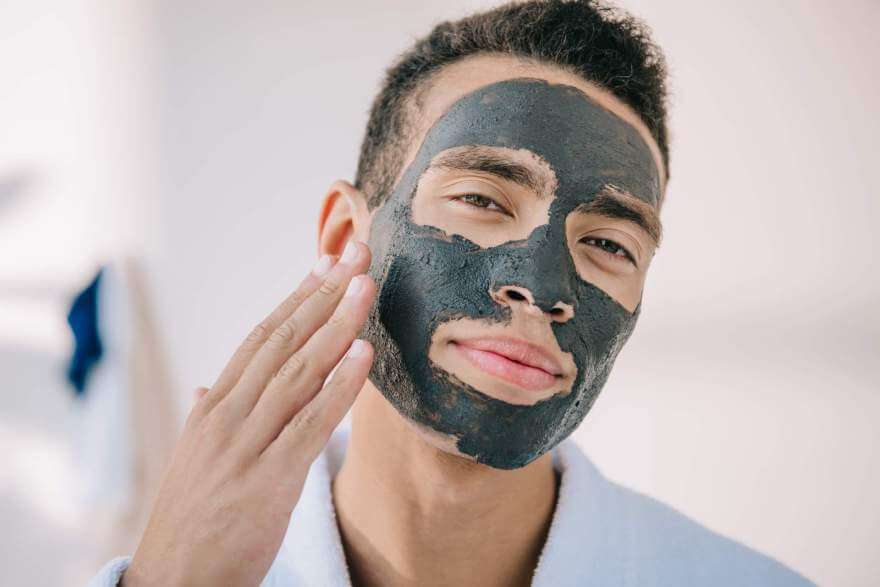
<point x="523" y="364"/>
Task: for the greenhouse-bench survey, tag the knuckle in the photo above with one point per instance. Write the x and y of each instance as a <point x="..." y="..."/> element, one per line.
<point x="285" y="333"/>
<point x="294" y="301"/>
<point x="289" y="305"/>
<point x="258" y="334"/>
<point x="308" y="420"/>
<point x="329" y="287"/>
<point x="292" y="367"/>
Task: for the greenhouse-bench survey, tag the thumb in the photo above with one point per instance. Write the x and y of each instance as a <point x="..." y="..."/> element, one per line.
<point x="199" y="393"/>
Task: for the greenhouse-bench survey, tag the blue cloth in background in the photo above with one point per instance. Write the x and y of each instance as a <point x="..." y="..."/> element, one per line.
<point x="83" y="321"/>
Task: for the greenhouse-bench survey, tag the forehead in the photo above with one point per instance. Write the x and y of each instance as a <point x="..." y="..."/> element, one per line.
<point x="588" y="147"/>
<point x="452" y="82"/>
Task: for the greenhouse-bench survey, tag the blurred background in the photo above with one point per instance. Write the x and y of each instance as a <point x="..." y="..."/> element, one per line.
<point x="186" y="146"/>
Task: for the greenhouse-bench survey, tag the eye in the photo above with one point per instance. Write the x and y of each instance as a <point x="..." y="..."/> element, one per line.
<point x="478" y="201"/>
<point x="610" y="247"/>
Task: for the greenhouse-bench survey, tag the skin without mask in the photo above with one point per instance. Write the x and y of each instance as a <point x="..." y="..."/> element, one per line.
<point x="427" y="277"/>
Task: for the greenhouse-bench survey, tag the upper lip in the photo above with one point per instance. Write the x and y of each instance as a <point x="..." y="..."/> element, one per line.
<point x="516" y="350"/>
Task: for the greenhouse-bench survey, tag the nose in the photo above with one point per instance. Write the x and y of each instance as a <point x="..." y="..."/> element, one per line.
<point x="516" y="296"/>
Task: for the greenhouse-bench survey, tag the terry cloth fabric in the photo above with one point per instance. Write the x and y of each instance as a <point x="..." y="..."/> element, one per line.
<point x="602" y="534"/>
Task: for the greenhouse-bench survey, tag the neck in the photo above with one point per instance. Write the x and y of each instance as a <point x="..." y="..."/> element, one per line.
<point x="412" y="514"/>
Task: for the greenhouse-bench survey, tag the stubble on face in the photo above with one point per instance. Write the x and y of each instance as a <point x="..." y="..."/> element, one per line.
<point x="437" y="283"/>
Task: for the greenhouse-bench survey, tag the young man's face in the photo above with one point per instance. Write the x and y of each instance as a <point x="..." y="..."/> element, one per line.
<point x="510" y="259"/>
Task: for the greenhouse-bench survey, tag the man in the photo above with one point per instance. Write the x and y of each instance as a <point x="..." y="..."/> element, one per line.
<point x="509" y="191"/>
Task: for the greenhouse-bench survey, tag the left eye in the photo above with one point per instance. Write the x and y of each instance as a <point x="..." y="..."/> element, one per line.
<point x="609" y="246"/>
<point x="478" y="201"/>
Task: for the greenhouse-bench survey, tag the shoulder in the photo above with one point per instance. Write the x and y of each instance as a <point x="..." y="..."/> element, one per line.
<point x="664" y="542"/>
<point x="642" y="541"/>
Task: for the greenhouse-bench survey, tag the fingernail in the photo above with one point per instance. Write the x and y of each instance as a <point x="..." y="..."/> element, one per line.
<point x="323" y="266"/>
<point x="350" y="254"/>
<point x="355" y="286"/>
<point x="358" y="348"/>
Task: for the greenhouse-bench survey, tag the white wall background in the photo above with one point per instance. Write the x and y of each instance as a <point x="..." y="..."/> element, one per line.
<point x="202" y="135"/>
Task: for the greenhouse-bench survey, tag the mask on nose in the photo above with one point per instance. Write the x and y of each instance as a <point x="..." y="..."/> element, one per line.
<point x="428" y="278"/>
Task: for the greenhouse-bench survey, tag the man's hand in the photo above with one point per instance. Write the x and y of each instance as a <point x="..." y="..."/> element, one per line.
<point x="239" y="467"/>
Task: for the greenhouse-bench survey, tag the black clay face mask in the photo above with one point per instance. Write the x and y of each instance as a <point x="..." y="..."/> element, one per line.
<point x="428" y="278"/>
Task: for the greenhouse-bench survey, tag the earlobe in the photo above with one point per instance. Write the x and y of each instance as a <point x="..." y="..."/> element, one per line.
<point x="344" y="216"/>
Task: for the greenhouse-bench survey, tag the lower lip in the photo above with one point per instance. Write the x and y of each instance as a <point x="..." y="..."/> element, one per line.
<point x="526" y="377"/>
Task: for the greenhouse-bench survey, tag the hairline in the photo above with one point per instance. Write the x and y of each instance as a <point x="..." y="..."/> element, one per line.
<point x="415" y="98"/>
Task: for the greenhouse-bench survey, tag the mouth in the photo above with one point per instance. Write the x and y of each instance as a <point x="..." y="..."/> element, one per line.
<point x="523" y="364"/>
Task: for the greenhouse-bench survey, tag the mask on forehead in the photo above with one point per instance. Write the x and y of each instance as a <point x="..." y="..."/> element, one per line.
<point x="428" y="278"/>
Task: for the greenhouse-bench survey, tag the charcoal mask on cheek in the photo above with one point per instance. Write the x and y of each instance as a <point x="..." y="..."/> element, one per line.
<point x="427" y="278"/>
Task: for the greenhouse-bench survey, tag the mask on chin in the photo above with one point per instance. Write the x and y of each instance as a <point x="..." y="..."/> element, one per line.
<point x="430" y="281"/>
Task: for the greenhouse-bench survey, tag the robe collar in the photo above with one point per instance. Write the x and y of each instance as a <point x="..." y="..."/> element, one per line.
<point x="312" y="551"/>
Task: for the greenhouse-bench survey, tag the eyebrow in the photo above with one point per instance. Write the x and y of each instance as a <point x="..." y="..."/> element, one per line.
<point x="614" y="202"/>
<point x="477" y="159"/>
<point x="611" y="201"/>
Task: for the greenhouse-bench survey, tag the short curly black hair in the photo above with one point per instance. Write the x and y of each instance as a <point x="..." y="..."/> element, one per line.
<point x="587" y="37"/>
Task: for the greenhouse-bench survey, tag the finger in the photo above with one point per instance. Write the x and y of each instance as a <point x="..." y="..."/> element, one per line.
<point x="307" y="433"/>
<point x="257" y="337"/>
<point x="199" y="393"/>
<point x="294" y="332"/>
<point x="303" y="374"/>
<point x="196" y="412"/>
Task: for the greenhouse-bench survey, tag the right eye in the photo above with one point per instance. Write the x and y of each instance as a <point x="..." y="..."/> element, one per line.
<point x="478" y="201"/>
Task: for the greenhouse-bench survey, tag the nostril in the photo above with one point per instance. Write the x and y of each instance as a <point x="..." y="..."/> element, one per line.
<point x="561" y="312"/>
<point x="509" y="295"/>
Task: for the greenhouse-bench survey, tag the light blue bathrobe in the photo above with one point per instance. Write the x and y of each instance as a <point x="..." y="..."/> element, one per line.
<point x="602" y="534"/>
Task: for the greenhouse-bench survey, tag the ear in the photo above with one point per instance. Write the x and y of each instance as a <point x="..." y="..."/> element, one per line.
<point x="344" y="216"/>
